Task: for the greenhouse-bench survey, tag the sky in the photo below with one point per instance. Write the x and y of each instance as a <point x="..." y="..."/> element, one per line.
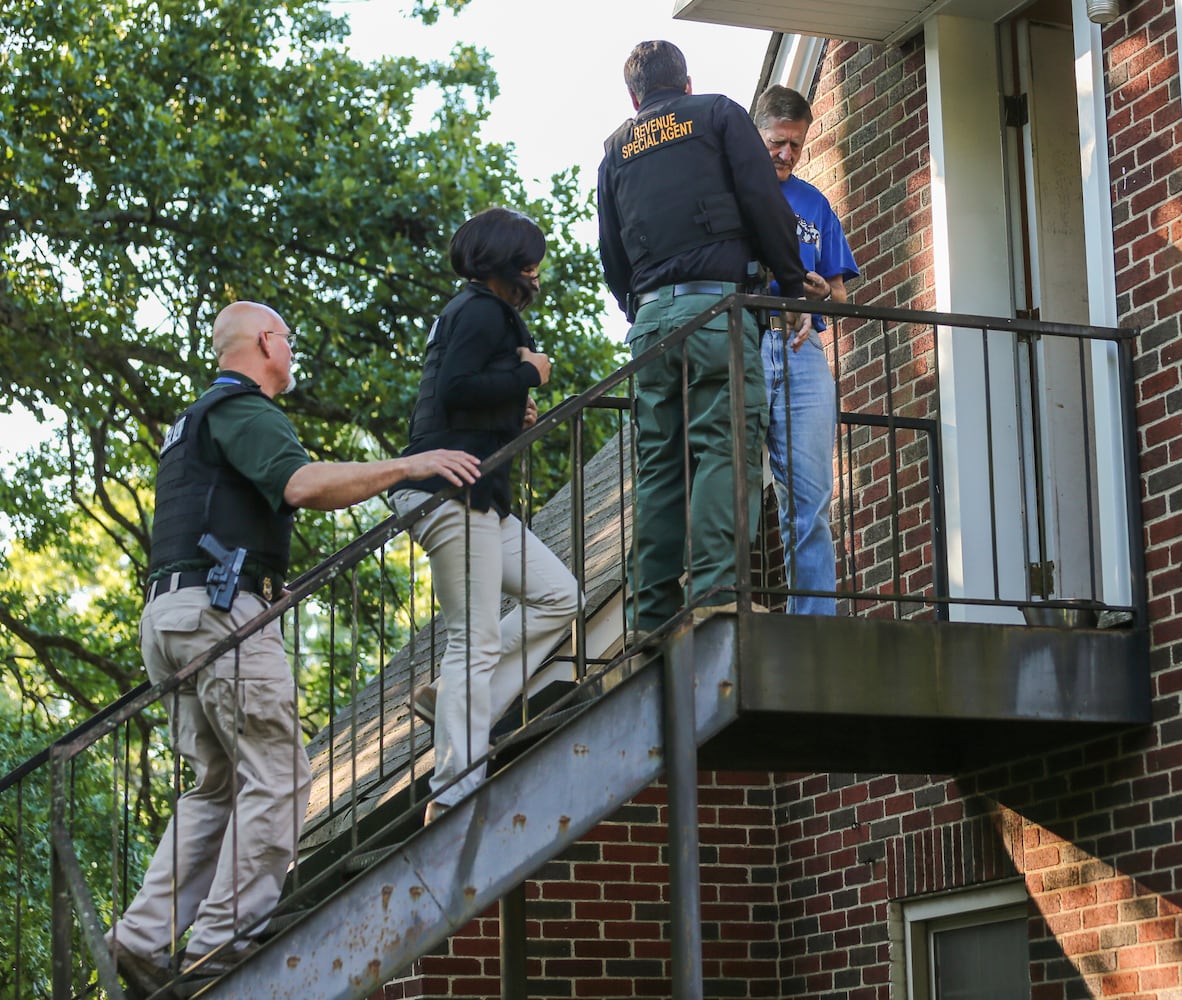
<point x="560" y="65"/>
<point x="560" y="68"/>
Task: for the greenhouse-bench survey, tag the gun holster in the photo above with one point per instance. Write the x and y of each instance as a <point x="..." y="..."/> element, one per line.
<point x="221" y="584"/>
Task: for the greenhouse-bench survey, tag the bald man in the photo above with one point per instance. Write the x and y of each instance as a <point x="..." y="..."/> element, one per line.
<point x="232" y="466"/>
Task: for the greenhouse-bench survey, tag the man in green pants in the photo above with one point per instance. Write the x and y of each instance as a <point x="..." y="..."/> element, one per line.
<point x="687" y="200"/>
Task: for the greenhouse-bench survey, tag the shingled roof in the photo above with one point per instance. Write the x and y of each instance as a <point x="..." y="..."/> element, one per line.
<point x="363" y="758"/>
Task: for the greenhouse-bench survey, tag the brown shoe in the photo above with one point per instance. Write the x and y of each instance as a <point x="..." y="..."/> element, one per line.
<point x="707" y="611"/>
<point x="423" y="703"/>
<point x="217" y="963"/>
<point x="435" y="809"/>
<point x="143" y="976"/>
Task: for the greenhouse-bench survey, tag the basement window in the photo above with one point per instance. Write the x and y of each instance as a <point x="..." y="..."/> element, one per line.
<point x="968" y="945"/>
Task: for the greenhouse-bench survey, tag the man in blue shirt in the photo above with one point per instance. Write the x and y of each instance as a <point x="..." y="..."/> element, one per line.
<point x="802" y="396"/>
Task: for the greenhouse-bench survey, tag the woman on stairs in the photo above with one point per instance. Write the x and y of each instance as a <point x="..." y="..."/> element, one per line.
<point x="474" y="395"/>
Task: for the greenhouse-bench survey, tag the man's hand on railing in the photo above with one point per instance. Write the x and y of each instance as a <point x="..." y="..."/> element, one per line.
<point x="531" y="414"/>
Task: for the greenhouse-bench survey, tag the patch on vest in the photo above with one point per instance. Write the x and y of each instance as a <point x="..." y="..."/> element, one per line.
<point x="175" y="433"/>
<point x="653" y="133"/>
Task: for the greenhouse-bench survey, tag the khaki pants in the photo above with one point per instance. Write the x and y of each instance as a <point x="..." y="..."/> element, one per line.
<point x="234" y="831"/>
<point x="475" y="559"/>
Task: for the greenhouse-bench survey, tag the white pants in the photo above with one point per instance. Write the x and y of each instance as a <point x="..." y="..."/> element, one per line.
<point x="475" y="558"/>
<point x="235" y="828"/>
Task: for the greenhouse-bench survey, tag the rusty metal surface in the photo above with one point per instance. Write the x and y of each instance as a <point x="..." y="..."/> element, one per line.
<point x="455" y="868"/>
<point x="845" y="694"/>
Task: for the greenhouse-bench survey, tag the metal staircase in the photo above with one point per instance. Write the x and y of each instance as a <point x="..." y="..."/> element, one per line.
<point x="892" y="685"/>
<point x="412" y="895"/>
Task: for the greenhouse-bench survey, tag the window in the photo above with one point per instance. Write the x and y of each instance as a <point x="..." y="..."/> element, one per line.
<point x="968" y="945"/>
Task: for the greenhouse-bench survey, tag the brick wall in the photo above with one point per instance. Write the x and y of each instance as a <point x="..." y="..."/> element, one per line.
<point x="868" y="153"/>
<point x="1145" y="146"/>
<point x="1093" y="831"/>
<point x="597" y="918"/>
<point x="803" y="874"/>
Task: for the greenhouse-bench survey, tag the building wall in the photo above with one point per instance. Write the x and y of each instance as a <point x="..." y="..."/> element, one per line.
<point x="803" y="875"/>
<point x="1094" y="829"/>
<point x="867" y="151"/>
<point x="598" y="916"/>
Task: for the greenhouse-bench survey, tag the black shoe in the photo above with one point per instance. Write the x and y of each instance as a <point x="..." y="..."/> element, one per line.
<point x="143" y="976"/>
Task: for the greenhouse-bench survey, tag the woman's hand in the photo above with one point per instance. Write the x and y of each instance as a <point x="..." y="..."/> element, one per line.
<point x="531" y="414"/>
<point x="539" y="361"/>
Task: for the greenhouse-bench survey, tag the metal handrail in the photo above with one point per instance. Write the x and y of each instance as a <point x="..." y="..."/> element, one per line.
<point x="67" y="747"/>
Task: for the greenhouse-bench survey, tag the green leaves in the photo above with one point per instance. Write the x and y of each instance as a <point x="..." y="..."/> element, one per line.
<point x="160" y="160"/>
<point x="163" y="159"/>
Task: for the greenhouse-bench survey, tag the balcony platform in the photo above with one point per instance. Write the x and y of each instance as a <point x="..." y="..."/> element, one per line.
<point x="863" y="694"/>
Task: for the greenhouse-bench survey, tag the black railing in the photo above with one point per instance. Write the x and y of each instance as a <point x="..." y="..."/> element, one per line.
<point x="897" y="557"/>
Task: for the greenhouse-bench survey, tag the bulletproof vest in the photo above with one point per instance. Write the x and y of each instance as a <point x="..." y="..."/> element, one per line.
<point x="195" y="494"/>
<point x="430" y="417"/>
<point x="672" y="189"/>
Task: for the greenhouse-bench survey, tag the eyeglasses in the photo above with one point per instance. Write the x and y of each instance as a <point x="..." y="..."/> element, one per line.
<point x="290" y="335"/>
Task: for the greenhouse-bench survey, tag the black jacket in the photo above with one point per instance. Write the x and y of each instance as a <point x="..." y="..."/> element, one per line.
<point x="474" y="388"/>
<point x="195" y="493"/>
<point x="687" y="192"/>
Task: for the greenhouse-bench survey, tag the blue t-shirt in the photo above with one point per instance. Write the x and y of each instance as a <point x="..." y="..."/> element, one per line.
<point x="823" y="246"/>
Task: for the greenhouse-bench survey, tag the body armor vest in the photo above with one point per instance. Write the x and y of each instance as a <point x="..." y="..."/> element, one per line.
<point x="195" y="495"/>
<point x="671" y="189"/>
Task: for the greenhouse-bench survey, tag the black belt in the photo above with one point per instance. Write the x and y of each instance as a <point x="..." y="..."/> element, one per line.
<point x="267" y="587"/>
<point x="687" y="288"/>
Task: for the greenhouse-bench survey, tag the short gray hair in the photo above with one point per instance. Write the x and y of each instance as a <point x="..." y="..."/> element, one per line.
<point x="779" y="103"/>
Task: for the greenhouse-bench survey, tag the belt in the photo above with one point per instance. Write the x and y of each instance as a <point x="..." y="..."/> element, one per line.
<point x="267" y="587"/>
<point x="686" y="288"/>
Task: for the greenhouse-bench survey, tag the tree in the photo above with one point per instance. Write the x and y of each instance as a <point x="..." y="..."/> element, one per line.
<point x="166" y="158"/>
<point x="160" y="160"/>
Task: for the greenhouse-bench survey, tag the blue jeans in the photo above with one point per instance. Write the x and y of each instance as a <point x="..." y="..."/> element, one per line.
<point x="803" y="411"/>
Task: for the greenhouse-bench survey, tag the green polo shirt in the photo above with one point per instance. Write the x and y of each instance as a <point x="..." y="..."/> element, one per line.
<point x="251" y="434"/>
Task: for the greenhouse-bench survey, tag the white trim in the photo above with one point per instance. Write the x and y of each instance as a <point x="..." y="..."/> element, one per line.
<point x="797" y="60"/>
<point x="971" y="265"/>
<point x="990" y="896"/>
<point x="1114" y="583"/>
<point x="977" y="905"/>
<point x="1178" y="37"/>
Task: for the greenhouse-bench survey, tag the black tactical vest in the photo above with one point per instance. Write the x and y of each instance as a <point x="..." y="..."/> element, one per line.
<point x="195" y="495"/>
<point x="672" y="190"/>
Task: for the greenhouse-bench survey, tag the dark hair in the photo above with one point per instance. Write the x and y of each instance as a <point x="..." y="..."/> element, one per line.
<point x="496" y="243"/>
<point x="781" y="104"/>
<point x="655" y="66"/>
<point x="499" y="243"/>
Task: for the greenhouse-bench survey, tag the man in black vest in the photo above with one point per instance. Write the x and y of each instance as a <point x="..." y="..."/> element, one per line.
<point x="687" y="200"/>
<point x="231" y="466"/>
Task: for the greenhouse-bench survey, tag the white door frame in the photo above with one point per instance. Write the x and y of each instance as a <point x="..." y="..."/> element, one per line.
<point x="972" y="274"/>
